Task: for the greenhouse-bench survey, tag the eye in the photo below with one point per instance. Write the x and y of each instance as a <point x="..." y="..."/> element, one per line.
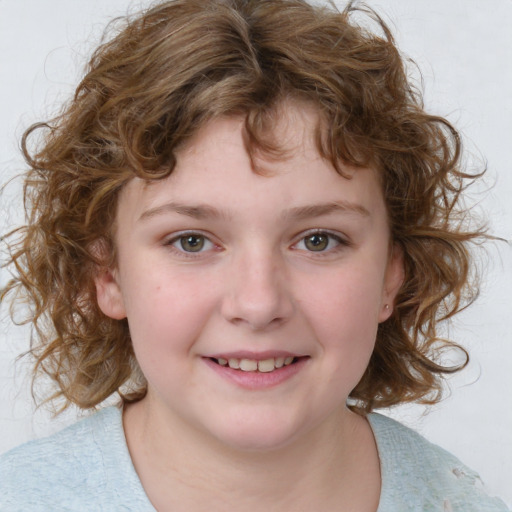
<point x="317" y="242"/>
<point x="320" y="241"/>
<point x="191" y="243"/>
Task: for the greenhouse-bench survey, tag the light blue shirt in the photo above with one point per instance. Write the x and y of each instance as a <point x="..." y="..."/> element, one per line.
<point x="87" y="467"/>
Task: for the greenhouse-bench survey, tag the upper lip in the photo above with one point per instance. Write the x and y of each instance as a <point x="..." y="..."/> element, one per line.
<point x="255" y="356"/>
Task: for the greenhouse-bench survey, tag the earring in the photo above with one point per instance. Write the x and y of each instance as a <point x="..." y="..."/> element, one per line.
<point x="386" y="307"/>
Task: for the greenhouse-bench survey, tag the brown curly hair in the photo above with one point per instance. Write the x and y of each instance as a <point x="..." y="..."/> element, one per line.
<point x="149" y="88"/>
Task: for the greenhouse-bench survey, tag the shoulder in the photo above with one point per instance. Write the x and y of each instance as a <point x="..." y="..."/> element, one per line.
<point x="417" y="473"/>
<point x="76" y="469"/>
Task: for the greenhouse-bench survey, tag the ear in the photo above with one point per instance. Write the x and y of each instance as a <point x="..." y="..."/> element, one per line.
<point x="393" y="280"/>
<point x="108" y="294"/>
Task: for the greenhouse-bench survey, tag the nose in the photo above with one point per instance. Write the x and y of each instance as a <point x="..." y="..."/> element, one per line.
<point x="258" y="292"/>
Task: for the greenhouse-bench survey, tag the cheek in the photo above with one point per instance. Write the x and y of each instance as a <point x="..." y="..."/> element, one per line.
<point x="166" y="311"/>
<point x="351" y="296"/>
<point x="344" y="311"/>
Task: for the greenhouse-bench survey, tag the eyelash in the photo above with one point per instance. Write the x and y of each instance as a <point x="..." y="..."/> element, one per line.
<point x="180" y="237"/>
<point x="205" y="240"/>
<point x="340" y="241"/>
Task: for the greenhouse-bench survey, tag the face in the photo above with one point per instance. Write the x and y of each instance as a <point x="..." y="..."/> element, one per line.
<point x="253" y="300"/>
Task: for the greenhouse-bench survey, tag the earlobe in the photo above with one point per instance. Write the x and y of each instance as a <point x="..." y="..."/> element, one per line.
<point x="108" y="294"/>
<point x="394" y="279"/>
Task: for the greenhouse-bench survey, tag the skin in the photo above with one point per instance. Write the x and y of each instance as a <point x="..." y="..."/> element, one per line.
<point x="257" y="287"/>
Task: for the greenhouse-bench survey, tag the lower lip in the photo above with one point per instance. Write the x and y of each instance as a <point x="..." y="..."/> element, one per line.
<point x="258" y="380"/>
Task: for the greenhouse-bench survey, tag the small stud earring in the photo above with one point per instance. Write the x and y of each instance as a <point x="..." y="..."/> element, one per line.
<point x="386" y="307"/>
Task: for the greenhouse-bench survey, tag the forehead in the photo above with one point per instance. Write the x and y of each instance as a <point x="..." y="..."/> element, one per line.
<point x="285" y="132"/>
<point x="216" y="168"/>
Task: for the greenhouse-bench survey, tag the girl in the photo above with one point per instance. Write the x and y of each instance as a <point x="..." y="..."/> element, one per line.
<point x="246" y="226"/>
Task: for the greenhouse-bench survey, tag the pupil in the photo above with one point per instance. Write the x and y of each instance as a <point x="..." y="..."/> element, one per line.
<point x="317" y="242"/>
<point x="192" y="243"/>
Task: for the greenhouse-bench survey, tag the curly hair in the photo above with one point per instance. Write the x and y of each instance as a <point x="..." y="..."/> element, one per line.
<point x="147" y="91"/>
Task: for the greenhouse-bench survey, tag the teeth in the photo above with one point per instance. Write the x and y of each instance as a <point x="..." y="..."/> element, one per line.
<point x="266" y="365"/>
<point x="248" y="365"/>
<point x="251" y="365"/>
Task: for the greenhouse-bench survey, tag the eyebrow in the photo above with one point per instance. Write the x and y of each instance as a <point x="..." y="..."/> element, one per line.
<point x="203" y="211"/>
<point x="200" y="211"/>
<point x="317" y="210"/>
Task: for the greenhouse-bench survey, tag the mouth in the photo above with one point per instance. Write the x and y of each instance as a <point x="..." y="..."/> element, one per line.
<point x="268" y="365"/>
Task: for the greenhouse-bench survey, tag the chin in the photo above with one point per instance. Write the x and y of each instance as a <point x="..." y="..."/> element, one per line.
<point x="257" y="441"/>
<point x="257" y="433"/>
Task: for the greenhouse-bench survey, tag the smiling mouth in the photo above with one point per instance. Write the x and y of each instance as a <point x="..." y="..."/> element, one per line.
<point x="253" y="365"/>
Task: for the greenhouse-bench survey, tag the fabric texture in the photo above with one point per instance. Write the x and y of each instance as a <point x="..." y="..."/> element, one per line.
<point x="87" y="467"/>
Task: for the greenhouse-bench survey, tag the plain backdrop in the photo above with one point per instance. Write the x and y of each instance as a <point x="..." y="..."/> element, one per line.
<point x="464" y="50"/>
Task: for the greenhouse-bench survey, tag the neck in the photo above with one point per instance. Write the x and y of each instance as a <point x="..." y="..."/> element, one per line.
<point x="182" y="469"/>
